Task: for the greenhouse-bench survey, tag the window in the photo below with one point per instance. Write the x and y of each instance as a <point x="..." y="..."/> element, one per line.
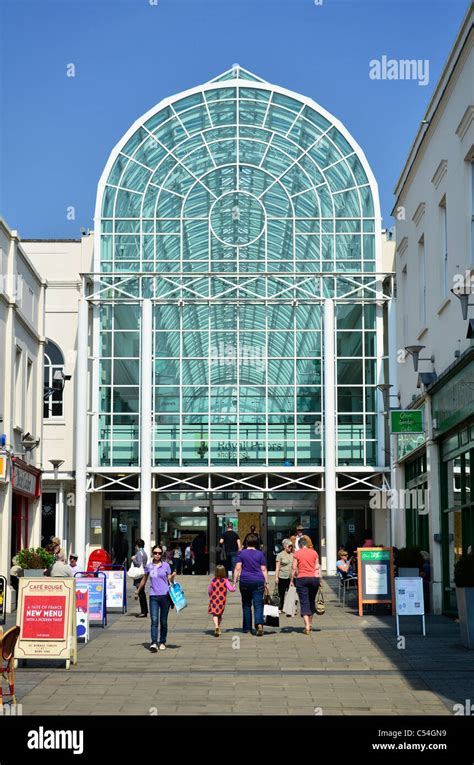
<point x="422" y="280"/>
<point x="444" y="245"/>
<point x="29" y="396"/>
<point x="53" y="399"/>
<point x="19" y="398"/>
<point x="472" y="213"/>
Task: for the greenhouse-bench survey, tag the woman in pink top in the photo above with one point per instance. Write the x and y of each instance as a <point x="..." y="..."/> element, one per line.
<point x="307" y="573"/>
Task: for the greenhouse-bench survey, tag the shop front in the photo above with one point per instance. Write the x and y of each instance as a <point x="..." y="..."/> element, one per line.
<point x="454" y="427"/>
<point x="26" y="488"/>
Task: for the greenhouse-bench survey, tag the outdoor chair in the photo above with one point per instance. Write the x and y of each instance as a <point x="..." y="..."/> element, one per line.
<point x="7" y="645"/>
<point x="344" y="586"/>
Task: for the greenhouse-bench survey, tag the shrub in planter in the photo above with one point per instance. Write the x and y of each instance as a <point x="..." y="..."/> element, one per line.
<point x="409" y="557"/>
<point x="29" y="558"/>
<point x="464" y="581"/>
<point x="464" y="571"/>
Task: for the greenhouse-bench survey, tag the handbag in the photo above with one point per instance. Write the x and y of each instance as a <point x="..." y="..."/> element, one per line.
<point x="290" y="604"/>
<point x="320" y="604"/>
<point x="271" y="615"/>
<point x="135" y="572"/>
<point x="177" y="596"/>
<point x="275" y="599"/>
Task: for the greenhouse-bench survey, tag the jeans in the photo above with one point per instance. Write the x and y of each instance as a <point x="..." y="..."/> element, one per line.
<point x="307" y="588"/>
<point x="230" y="561"/>
<point x="251" y="592"/>
<point x="141" y="597"/>
<point x="159" y="606"/>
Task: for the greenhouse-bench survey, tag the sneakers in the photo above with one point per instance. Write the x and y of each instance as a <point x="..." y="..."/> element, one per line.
<point x="153" y="648"/>
<point x="259" y="630"/>
<point x="142" y="616"/>
<point x="217" y="632"/>
<point x="162" y="647"/>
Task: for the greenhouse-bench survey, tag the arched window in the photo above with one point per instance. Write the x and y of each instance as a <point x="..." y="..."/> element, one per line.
<point x="53" y="399"/>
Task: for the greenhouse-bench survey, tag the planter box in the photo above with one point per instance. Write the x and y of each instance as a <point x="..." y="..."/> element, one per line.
<point x="406" y="571"/>
<point x="465" y="601"/>
<point x="33" y="572"/>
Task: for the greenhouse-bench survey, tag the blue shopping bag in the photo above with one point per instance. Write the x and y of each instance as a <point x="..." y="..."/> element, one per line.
<point x="177" y="596"/>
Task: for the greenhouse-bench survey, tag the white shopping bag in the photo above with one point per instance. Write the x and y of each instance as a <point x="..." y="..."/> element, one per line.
<point x="271" y="615"/>
<point x="290" y="606"/>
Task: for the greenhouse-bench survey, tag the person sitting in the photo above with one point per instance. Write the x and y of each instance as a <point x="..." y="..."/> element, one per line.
<point x="368" y="540"/>
<point x="60" y="568"/>
<point x="344" y="565"/>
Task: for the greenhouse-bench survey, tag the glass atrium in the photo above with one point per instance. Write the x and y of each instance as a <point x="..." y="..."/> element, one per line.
<point x="238" y="209"/>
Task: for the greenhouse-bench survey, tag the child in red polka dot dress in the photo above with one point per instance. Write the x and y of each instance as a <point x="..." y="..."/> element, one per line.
<point x="217" y="591"/>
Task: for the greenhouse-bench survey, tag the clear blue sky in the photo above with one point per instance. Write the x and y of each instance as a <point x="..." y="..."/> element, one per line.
<point x="57" y="132"/>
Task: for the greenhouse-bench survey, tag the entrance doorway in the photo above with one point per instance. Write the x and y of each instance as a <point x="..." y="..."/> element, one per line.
<point x="125" y="529"/>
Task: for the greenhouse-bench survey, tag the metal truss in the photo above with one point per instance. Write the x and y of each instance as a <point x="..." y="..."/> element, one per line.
<point x="362" y="481"/>
<point x="262" y="481"/>
<point x="224" y="287"/>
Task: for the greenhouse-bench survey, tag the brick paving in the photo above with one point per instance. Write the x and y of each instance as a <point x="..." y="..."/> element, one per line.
<point x="348" y="666"/>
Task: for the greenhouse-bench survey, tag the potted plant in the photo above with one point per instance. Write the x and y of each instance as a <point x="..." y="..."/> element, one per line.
<point x="464" y="581"/>
<point x="409" y="561"/>
<point x="34" y="562"/>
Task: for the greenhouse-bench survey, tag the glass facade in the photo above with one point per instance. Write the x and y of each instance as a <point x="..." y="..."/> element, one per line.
<point x="237" y="209"/>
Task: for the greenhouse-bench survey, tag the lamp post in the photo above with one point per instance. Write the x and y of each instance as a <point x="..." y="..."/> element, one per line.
<point x="415" y="350"/>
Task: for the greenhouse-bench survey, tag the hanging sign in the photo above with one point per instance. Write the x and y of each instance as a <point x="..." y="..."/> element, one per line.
<point x="406" y="421"/>
<point x="375" y="576"/>
<point x="116" y="587"/>
<point x="47" y="619"/>
<point x="3" y="467"/>
<point x="409" y="598"/>
<point x="96" y="585"/>
<point x="82" y="613"/>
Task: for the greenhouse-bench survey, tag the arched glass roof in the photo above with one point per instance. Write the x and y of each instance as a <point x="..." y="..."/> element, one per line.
<point x="237" y="175"/>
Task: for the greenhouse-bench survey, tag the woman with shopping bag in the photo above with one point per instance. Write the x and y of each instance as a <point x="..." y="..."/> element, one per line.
<point x="306" y="571"/>
<point x="251" y="569"/>
<point x="161" y="577"/>
<point x="137" y="571"/>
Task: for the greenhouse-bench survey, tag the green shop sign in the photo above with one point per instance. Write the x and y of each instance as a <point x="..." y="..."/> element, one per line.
<point x="407" y="421"/>
<point x="375" y="555"/>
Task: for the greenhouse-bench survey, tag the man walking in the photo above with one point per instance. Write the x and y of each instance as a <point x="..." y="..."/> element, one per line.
<point x="232" y="546"/>
<point x="296" y="539"/>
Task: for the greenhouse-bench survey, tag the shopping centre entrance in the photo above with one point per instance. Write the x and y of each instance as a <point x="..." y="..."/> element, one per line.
<point x="185" y="517"/>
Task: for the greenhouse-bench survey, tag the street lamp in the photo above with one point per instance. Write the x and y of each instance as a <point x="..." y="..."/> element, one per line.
<point x="56" y="465"/>
<point x="385" y="390"/>
<point x="464" y="299"/>
<point x="415" y="350"/>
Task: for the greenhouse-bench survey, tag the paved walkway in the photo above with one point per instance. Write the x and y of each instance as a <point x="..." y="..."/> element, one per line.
<point x="349" y="666"/>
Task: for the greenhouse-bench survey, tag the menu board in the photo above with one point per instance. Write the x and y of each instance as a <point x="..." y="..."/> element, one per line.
<point x="375" y="576"/>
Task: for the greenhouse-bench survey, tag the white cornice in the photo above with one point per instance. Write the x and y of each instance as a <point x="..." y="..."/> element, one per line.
<point x="465" y="124"/>
<point x="419" y="212"/>
<point x="403" y="246"/>
<point x="440" y="172"/>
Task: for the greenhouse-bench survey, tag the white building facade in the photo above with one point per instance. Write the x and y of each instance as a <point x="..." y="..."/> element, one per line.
<point x="435" y="254"/>
<point x="22" y="306"/>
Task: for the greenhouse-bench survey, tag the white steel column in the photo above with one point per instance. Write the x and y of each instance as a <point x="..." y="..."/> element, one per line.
<point x="433" y="503"/>
<point x="81" y="428"/>
<point x="393" y="439"/>
<point x="146" y="372"/>
<point x="330" y="437"/>
<point x="60" y="515"/>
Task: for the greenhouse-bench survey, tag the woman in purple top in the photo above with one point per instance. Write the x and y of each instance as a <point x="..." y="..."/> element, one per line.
<point x="160" y="578"/>
<point x="251" y="569"/>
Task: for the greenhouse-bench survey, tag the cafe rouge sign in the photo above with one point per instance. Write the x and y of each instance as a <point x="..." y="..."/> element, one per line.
<point x="25" y="479"/>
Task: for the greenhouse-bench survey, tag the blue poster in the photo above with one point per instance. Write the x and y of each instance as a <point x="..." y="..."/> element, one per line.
<point x="96" y="588"/>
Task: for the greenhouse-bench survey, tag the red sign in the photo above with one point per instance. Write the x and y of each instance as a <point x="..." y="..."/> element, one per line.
<point x="98" y="558"/>
<point x="44" y="617"/>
